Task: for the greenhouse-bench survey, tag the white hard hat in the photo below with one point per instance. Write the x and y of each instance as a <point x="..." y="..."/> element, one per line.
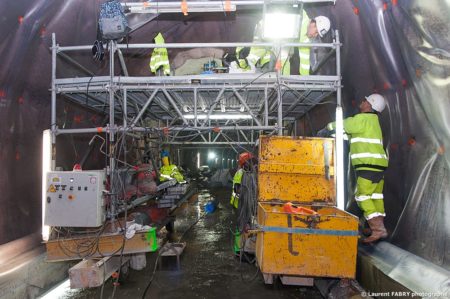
<point x="323" y="24"/>
<point x="377" y="102"/>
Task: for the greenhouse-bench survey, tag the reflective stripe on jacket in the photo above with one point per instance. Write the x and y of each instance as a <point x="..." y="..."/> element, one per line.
<point x="366" y="141"/>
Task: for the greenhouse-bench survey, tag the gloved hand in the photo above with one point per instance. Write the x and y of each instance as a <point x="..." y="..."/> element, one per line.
<point x="324" y="133"/>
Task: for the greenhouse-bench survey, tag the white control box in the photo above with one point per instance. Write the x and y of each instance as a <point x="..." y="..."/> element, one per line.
<point x="75" y="198"/>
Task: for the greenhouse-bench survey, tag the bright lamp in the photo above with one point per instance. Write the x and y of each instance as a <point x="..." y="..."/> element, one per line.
<point x="281" y="25"/>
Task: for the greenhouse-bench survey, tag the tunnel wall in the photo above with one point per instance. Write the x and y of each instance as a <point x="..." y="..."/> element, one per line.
<point x="399" y="48"/>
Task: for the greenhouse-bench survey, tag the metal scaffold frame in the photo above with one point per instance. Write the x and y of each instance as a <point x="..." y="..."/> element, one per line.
<point x="269" y="100"/>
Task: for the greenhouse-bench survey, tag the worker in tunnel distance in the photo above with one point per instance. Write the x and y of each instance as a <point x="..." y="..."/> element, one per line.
<point x="369" y="160"/>
<point x="169" y="171"/>
<point x="247" y="162"/>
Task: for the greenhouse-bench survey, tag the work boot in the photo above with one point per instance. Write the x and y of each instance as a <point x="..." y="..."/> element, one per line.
<point x="384" y="233"/>
<point x="378" y="230"/>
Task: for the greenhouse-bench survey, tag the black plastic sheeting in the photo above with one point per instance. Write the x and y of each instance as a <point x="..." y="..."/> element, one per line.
<point x="399" y="48"/>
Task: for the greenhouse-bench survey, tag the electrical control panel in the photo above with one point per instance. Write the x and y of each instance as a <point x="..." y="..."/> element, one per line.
<point x="75" y="198"/>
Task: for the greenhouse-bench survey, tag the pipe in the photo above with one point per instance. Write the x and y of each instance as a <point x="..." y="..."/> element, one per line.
<point x="202" y="45"/>
<point x="53" y="104"/>
<point x="340" y="183"/>
<point x="143" y="129"/>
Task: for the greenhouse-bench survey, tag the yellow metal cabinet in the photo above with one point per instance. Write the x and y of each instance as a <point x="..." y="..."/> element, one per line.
<point x="301" y="171"/>
<point x="313" y="246"/>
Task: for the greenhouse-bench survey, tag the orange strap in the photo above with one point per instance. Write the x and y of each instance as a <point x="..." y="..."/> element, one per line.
<point x="278" y="65"/>
<point x="99" y="129"/>
<point x="291" y="209"/>
<point x="184" y="7"/>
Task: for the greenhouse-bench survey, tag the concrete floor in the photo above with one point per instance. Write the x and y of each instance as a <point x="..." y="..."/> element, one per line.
<point x="208" y="267"/>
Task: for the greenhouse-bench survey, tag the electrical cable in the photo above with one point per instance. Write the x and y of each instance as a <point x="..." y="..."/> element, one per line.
<point x="159" y="254"/>
<point x="248" y="203"/>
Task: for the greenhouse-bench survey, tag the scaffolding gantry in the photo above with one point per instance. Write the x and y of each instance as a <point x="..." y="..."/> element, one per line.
<point x="188" y="106"/>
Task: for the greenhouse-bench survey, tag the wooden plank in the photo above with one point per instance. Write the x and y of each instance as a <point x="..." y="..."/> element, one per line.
<point x="91" y="246"/>
<point x="92" y="273"/>
<point x="297" y="280"/>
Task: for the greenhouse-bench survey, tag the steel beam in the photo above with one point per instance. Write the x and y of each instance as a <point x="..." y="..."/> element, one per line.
<point x="213" y="106"/>
<point x="246" y="106"/>
<point x="75" y="63"/>
<point x="297" y="101"/>
<point x="146" y="129"/>
<point x="122" y="62"/>
<point x="203" y="45"/>
<point x="209" y="143"/>
<point x="53" y="102"/>
<point x="144" y="108"/>
<point x="172" y="102"/>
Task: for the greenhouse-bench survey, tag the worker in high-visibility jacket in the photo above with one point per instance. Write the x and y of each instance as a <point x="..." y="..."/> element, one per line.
<point x="315" y="31"/>
<point x="169" y="171"/>
<point x="304" y="52"/>
<point x="159" y="61"/>
<point x="310" y="31"/>
<point x="369" y="160"/>
<point x="250" y="58"/>
<point x="244" y="160"/>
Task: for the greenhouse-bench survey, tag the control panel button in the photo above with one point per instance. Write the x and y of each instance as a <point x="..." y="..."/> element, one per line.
<point x="79" y="188"/>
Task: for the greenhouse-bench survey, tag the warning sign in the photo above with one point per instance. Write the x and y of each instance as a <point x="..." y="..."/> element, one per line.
<point x="51" y="189"/>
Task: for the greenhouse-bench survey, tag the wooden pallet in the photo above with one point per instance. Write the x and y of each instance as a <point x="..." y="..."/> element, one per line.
<point x="92" y="273"/>
<point x="269" y="278"/>
<point x="65" y="249"/>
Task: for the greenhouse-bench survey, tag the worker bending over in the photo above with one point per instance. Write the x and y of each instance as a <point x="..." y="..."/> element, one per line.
<point x="169" y="171"/>
<point x="311" y="31"/>
<point x="369" y="160"/>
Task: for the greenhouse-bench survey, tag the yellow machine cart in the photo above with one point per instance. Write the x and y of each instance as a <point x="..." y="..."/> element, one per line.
<point x="315" y="240"/>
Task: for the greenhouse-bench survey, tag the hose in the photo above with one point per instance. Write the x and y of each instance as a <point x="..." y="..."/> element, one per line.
<point x="247" y="200"/>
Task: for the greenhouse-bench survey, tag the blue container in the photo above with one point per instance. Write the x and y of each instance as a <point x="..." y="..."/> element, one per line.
<point x="210" y="207"/>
